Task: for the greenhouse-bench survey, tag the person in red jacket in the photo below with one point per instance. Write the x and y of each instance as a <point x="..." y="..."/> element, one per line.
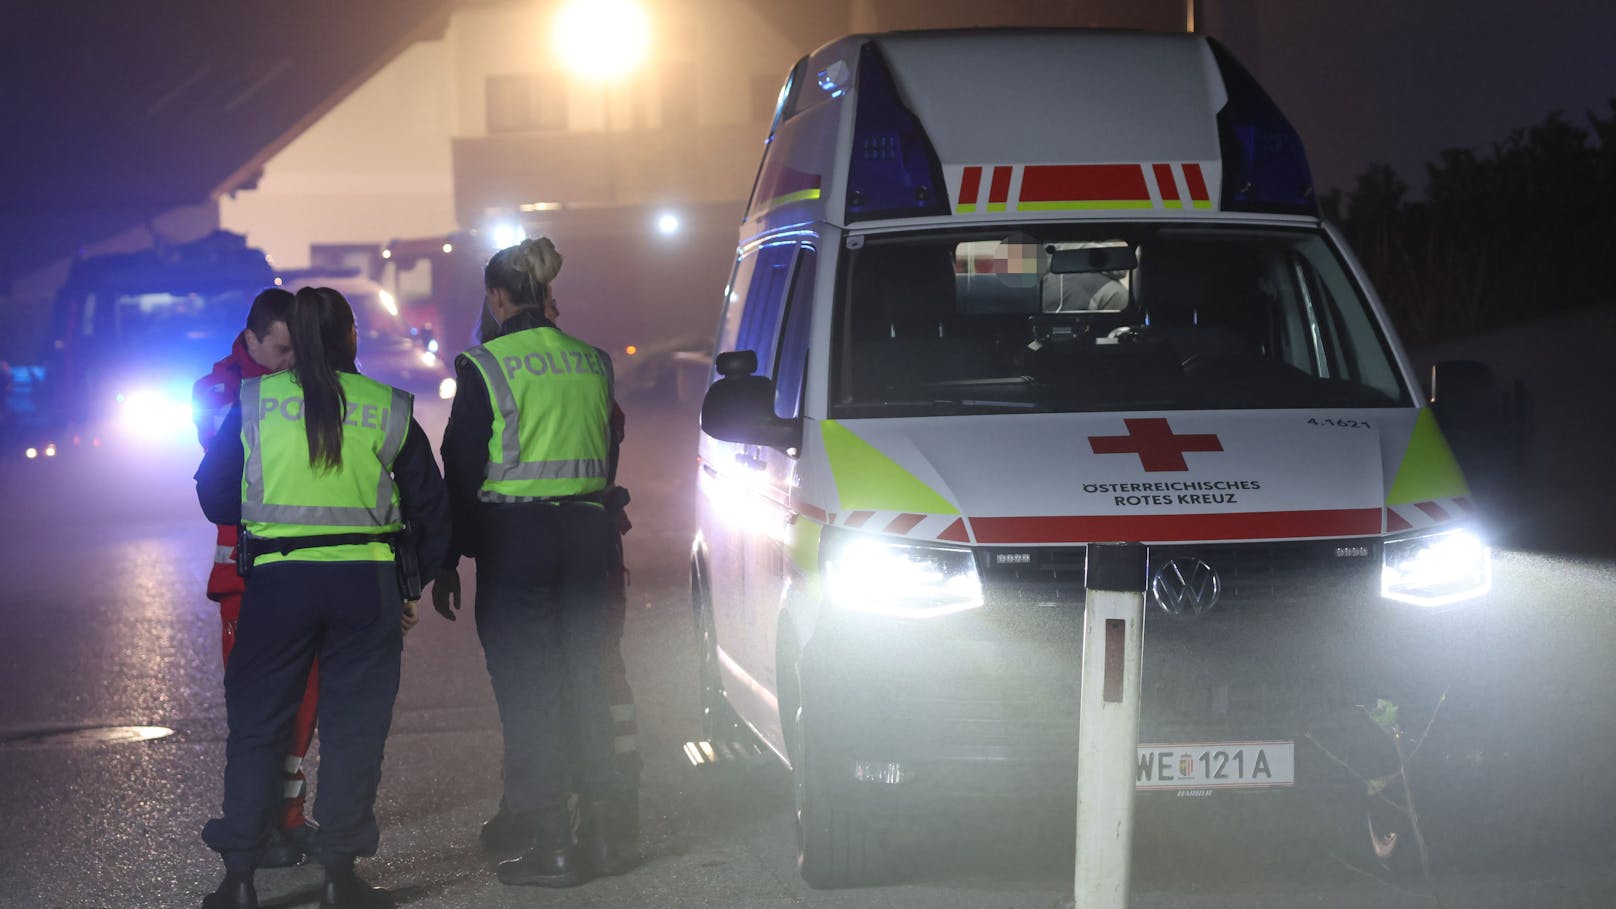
<point x="265" y="346"/>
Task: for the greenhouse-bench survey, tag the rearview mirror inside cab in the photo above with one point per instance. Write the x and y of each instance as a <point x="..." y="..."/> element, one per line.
<point x="739" y="407"/>
<point x="1087" y="260"/>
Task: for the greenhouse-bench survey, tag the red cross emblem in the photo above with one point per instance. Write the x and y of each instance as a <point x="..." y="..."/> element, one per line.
<point x="1155" y="444"/>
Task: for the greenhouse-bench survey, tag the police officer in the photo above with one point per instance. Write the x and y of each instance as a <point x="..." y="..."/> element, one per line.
<point x="263" y="347"/>
<point x="330" y="470"/>
<point x="526" y="455"/>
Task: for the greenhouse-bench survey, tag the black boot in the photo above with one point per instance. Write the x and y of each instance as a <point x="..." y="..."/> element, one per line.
<point x="507" y="833"/>
<point x="611" y="833"/>
<point x="345" y="889"/>
<point x="553" y="861"/>
<point x="236" y="891"/>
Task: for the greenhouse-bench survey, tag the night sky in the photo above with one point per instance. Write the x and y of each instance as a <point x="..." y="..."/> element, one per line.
<point x="1396" y="81"/>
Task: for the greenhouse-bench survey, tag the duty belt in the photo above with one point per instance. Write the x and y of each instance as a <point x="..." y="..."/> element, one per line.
<point x="250" y="547"/>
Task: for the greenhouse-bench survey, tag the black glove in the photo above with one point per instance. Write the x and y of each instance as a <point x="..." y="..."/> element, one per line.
<point x="446" y="593"/>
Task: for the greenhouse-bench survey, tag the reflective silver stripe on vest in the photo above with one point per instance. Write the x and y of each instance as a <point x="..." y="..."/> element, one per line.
<point x="570" y="469"/>
<point x="502" y="498"/>
<point x="254" y="468"/>
<point x="253" y="507"/>
<point x="319" y="515"/>
<point x="512" y="467"/>
<point x="398" y="426"/>
<point x="510" y="438"/>
<point x="223" y="555"/>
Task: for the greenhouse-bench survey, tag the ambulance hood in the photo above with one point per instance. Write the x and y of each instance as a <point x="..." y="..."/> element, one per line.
<point x="1149" y="477"/>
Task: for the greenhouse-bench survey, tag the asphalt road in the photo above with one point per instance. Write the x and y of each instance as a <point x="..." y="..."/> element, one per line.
<point x="106" y="625"/>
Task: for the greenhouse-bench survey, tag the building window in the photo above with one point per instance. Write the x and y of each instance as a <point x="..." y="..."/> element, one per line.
<point x="679" y="94"/>
<point x="526" y="102"/>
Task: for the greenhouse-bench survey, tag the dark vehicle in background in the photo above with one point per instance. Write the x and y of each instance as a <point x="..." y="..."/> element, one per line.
<point x="393" y="348"/>
<point x="130" y="333"/>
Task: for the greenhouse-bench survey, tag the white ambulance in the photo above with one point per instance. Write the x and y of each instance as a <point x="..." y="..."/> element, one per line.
<point x="1001" y="295"/>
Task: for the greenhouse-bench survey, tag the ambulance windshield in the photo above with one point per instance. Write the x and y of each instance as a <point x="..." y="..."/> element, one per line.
<point x="1105" y="318"/>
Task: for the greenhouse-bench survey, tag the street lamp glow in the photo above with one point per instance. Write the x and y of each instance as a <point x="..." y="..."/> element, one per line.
<point x="507" y="235"/>
<point x="668" y="223"/>
<point x="602" y="40"/>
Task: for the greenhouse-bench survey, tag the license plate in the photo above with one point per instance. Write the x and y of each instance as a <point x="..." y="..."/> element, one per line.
<point x="1216" y="765"/>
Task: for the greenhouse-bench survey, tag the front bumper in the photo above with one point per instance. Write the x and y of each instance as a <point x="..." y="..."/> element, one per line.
<point x="985" y="702"/>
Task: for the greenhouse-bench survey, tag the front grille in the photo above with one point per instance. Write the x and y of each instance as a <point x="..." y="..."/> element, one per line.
<point x="1274" y="653"/>
<point x="1259" y="577"/>
<point x="1255" y="578"/>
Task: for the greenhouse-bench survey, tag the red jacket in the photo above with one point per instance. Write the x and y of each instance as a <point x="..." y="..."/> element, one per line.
<point x="211" y="398"/>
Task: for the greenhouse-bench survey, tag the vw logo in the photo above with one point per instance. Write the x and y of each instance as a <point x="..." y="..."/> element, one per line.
<point x="1185" y="587"/>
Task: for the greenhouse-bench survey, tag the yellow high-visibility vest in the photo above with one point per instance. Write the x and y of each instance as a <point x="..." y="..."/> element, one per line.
<point x="552" y="397"/>
<point x="282" y="495"/>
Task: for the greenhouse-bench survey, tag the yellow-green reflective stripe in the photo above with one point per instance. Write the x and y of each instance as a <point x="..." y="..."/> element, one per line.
<point x="1428" y="470"/>
<point x="868" y="480"/>
<point x="805" y="195"/>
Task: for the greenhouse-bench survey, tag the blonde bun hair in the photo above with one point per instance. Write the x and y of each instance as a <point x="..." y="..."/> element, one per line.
<point x="539" y="259"/>
<point x="524" y="271"/>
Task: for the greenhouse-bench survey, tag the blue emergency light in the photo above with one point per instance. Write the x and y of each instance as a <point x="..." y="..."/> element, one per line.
<point x="894" y="171"/>
<point x="1264" y="165"/>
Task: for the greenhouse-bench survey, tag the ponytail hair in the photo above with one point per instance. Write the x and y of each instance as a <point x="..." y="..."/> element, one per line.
<point x="324" y="341"/>
<point x="524" y="271"/>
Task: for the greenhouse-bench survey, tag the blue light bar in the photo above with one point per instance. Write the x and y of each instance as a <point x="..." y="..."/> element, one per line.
<point x="894" y="172"/>
<point x="1264" y="165"/>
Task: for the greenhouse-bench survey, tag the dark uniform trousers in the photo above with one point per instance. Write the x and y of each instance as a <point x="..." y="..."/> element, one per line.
<point x="347" y="613"/>
<point x="541" y="617"/>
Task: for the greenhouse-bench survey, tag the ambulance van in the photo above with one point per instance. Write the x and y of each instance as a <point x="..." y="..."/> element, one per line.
<point x="998" y="296"/>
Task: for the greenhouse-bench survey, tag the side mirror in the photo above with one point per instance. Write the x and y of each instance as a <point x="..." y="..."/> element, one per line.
<point x="740" y="406"/>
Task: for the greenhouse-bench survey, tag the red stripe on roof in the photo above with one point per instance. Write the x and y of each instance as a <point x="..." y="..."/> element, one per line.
<point x="1000" y="190"/>
<point x="1165" y="182"/>
<point x="955" y="532"/>
<point x="1196" y="182"/>
<point x="1464" y="504"/>
<point x="970" y="185"/>
<point x="1083" y="182"/>
<point x="812" y="511"/>
<point x="859" y="518"/>
<point x="1396" y="522"/>
<point x="904" y="523"/>
<point x="1434" y="511"/>
<point x="1161" y="528"/>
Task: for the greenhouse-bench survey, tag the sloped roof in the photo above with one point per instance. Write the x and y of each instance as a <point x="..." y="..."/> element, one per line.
<point x="118" y="111"/>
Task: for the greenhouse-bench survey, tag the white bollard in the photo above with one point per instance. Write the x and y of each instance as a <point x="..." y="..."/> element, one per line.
<point x="1108" y="724"/>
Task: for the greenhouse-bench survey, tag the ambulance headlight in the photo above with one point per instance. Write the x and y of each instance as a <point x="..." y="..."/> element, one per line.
<point x="1436" y="569"/>
<point x="866" y="573"/>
